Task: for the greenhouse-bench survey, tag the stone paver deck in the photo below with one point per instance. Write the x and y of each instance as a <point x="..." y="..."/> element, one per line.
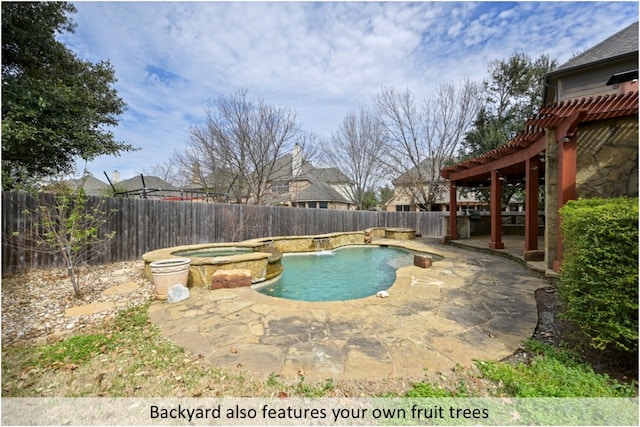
<point x="466" y="306"/>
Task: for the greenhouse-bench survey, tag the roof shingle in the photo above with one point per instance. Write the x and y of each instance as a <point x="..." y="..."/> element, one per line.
<point x="619" y="44"/>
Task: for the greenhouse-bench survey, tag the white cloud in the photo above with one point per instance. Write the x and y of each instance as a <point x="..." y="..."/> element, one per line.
<point x="320" y="59"/>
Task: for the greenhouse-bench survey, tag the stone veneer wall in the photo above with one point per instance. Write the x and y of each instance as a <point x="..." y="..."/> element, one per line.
<point x="608" y="158"/>
<point x="551" y="199"/>
<point x="607" y="166"/>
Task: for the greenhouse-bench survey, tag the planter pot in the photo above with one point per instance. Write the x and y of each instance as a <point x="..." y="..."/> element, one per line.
<point x="169" y="272"/>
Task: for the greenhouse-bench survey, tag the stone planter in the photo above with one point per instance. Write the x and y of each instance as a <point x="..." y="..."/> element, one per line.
<point x="169" y="272"/>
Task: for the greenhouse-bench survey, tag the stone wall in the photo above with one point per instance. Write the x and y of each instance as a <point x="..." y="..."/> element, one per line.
<point x="551" y="199"/>
<point x="607" y="166"/>
<point x="608" y="159"/>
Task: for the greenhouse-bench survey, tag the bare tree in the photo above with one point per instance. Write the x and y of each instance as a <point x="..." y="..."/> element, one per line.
<point x="168" y="171"/>
<point x="65" y="223"/>
<point x="197" y="163"/>
<point x="357" y="149"/>
<point x="239" y="144"/>
<point x="422" y="137"/>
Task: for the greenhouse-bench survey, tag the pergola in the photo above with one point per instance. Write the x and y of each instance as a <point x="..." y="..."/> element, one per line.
<point x="546" y="149"/>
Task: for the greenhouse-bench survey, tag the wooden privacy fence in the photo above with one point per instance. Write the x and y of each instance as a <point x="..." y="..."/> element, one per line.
<point x="145" y="225"/>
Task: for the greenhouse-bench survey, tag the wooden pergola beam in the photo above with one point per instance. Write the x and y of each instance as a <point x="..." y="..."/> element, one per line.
<point x="509" y="160"/>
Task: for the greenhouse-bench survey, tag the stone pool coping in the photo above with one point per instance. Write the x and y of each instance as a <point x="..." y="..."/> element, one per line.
<point x="264" y="263"/>
<point x="466" y="306"/>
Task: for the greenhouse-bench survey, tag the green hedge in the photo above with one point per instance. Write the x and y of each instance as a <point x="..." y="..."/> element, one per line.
<point x="599" y="273"/>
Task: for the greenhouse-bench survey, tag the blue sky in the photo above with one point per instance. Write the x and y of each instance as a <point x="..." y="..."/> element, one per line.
<point x="320" y="59"/>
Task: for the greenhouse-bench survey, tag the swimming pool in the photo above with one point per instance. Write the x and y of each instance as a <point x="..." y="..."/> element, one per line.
<point x="342" y="274"/>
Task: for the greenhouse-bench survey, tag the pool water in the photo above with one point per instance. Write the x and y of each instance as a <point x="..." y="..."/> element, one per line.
<point x="338" y="275"/>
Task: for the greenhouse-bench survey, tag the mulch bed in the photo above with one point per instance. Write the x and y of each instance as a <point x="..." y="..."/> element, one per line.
<point x="554" y="330"/>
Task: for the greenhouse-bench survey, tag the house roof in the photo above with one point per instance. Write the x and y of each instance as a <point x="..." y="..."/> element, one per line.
<point x="623" y="43"/>
<point x="320" y="191"/>
<point x="423" y="169"/>
<point x="282" y="171"/>
<point x="92" y="185"/>
<point x="152" y="184"/>
<point x="328" y="175"/>
<point x="477" y="169"/>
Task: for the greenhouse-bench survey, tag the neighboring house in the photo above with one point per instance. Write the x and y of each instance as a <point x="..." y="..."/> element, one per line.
<point x="296" y="182"/>
<point x="408" y="193"/>
<point x="405" y="201"/>
<point x="293" y="182"/>
<point x="92" y="186"/>
<point x="583" y="144"/>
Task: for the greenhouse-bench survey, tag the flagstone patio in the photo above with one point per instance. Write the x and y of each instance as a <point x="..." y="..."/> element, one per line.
<point x="467" y="306"/>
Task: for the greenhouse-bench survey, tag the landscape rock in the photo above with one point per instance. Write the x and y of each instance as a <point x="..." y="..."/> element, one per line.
<point x="423" y="261"/>
<point x="177" y="292"/>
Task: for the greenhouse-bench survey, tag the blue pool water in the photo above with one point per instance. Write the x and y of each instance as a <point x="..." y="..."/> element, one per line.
<point x="339" y="275"/>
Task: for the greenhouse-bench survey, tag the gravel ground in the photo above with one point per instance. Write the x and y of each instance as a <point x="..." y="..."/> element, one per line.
<point x="34" y="303"/>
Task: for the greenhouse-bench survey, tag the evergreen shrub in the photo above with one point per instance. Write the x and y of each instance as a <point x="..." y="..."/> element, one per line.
<point x="599" y="272"/>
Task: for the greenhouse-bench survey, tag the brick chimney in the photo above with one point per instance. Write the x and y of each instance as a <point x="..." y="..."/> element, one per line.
<point x="195" y="172"/>
<point x="296" y="160"/>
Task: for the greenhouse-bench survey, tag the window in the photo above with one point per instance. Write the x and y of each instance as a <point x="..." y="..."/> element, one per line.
<point x="312" y="205"/>
<point x="280" y="186"/>
<point x="402" y="208"/>
<point x="324" y="205"/>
